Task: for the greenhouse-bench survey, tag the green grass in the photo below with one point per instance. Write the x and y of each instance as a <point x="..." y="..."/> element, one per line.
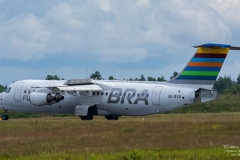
<point x="191" y="154"/>
<point x="166" y="136"/>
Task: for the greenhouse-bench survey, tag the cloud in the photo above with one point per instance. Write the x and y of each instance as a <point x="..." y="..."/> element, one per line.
<point x="71" y="73"/>
<point x="227" y="10"/>
<point x="24" y="37"/>
<point x="116" y="30"/>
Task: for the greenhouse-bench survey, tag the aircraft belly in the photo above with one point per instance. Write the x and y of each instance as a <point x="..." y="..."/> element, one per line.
<point x="125" y="110"/>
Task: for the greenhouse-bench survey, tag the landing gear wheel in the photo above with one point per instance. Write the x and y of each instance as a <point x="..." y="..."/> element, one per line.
<point x="5" y="117"/>
<point x="115" y="117"/>
<point x="111" y="117"/>
<point x="87" y="117"/>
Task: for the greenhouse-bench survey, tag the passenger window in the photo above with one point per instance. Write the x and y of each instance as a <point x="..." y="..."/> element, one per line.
<point x="147" y="95"/>
<point x="129" y="94"/>
<point x="106" y="93"/>
<point x="93" y="93"/>
<point x="25" y="91"/>
<point x="97" y="93"/>
<point x="29" y="91"/>
<point x="102" y="93"/>
<point x="120" y="94"/>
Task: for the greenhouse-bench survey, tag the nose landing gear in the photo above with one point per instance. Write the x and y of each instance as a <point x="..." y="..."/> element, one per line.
<point x="5" y="116"/>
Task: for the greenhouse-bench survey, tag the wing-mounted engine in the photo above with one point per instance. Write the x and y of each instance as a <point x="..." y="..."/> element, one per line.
<point x="40" y="99"/>
<point x="205" y="95"/>
<point x="75" y="87"/>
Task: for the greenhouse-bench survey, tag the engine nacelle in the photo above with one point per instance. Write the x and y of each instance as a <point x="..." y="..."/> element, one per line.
<point x="40" y="99"/>
<point x="58" y="97"/>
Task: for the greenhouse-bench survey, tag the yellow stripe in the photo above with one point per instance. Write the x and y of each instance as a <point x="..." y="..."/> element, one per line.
<point x="212" y="51"/>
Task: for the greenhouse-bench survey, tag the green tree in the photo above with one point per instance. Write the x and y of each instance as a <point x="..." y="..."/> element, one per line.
<point x="111" y="78"/>
<point x="174" y="75"/>
<point x="161" y="78"/>
<point x="151" y="78"/>
<point x="2" y="88"/>
<point x="224" y="84"/>
<point x="142" y="78"/>
<point x="52" y="77"/>
<point x="238" y="79"/>
<point x="96" y="75"/>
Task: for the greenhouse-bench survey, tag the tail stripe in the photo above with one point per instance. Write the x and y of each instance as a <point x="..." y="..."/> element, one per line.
<point x="209" y="55"/>
<point x="202" y="68"/>
<point x="205" y="64"/>
<point x="208" y="60"/>
<point x="183" y="77"/>
<point x="213" y="51"/>
<point x="200" y="73"/>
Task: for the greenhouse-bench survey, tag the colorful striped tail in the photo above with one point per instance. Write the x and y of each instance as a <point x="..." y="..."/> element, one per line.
<point x="205" y="65"/>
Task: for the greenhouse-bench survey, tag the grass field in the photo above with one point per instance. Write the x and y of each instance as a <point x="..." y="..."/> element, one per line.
<point x="165" y="136"/>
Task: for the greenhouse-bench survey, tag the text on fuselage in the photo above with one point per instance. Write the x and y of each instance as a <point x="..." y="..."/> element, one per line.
<point x="117" y="95"/>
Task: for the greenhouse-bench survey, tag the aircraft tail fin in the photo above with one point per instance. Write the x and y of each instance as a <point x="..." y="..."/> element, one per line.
<point x="205" y="65"/>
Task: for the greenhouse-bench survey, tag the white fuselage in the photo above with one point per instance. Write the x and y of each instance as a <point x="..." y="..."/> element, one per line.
<point x="121" y="98"/>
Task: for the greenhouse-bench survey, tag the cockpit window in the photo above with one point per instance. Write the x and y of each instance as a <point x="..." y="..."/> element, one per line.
<point x="7" y="90"/>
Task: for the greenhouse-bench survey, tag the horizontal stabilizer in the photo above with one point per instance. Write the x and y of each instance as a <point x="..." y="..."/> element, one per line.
<point x="216" y="46"/>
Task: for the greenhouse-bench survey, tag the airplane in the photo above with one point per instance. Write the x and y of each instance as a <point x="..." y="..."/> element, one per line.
<point x="88" y="97"/>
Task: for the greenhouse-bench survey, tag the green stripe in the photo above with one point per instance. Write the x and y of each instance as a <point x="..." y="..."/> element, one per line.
<point x="199" y="73"/>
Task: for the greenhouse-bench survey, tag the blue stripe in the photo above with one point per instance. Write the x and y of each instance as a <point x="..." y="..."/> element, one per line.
<point x="208" y="60"/>
<point x="192" y="68"/>
<point x="196" y="78"/>
<point x="212" y="45"/>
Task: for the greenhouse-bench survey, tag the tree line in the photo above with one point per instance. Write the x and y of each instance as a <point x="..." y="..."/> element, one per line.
<point x="98" y="76"/>
<point x="224" y="84"/>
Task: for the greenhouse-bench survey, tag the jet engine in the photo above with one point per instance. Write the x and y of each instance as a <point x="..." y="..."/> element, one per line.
<point x="40" y="99"/>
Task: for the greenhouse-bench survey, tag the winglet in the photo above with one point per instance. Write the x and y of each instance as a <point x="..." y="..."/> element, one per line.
<point x="216" y="46"/>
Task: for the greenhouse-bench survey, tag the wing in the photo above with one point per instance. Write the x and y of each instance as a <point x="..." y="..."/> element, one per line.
<point x="74" y="87"/>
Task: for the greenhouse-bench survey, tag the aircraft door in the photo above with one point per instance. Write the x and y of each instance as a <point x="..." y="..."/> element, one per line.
<point x="156" y="96"/>
<point x="17" y="94"/>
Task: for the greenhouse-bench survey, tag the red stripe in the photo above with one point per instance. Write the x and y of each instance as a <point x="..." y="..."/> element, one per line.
<point x="209" y="55"/>
<point x="205" y="64"/>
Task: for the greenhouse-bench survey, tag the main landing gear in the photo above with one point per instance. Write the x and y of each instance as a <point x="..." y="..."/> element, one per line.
<point x="92" y="111"/>
<point x="5" y="116"/>
<point x="89" y="116"/>
<point x="111" y="117"/>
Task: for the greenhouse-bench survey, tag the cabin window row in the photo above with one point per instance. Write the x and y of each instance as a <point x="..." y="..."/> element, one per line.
<point x="120" y="94"/>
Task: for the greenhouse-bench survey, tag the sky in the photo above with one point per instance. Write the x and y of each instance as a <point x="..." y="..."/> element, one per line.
<point x="120" y="38"/>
